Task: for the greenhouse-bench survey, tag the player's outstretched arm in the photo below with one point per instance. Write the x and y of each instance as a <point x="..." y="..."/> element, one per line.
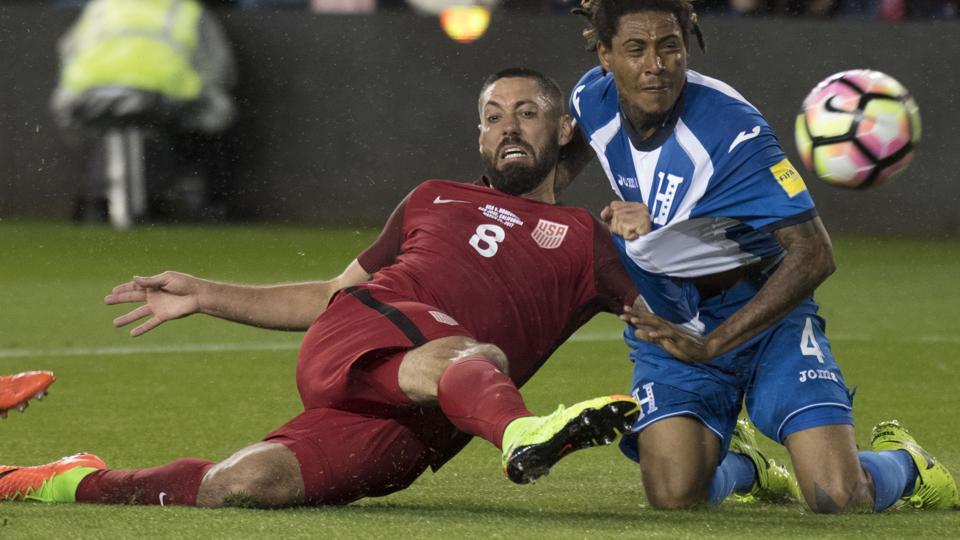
<point x="173" y="295"/>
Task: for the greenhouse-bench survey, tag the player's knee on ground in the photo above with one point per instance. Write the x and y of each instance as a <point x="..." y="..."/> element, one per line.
<point x="421" y="368"/>
<point x="264" y="475"/>
<point x="833" y="496"/>
<point x="669" y="489"/>
<point x="828" y="470"/>
<point x="678" y="458"/>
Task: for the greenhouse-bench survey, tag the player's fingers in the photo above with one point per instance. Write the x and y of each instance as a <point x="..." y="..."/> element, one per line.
<point x="146" y="327"/>
<point x="606" y="214"/>
<point x="124" y="297"/>
<point x="134" y="315"/>
<point x="641" y="334"/>
<point x="151" y="282"/>
<point x="124" y="287"/>
<point x="671" y="347"/>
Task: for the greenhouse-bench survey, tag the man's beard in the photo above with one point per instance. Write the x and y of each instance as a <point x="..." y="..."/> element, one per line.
<point x="517" y="178"/>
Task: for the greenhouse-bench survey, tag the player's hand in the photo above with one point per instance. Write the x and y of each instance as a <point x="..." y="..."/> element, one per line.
<point x="167" y="296"/>
<point x="631" y="220"/>
<point x="673" y="338"/>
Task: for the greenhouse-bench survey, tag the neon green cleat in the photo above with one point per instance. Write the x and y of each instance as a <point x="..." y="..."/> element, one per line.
<point x="533" y="444"/>
<point x="774" y="483"/>
<point x="935" y="487"/>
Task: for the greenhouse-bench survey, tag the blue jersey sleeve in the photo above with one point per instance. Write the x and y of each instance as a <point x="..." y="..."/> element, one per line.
<point x="763" y="191"/>
<point x="753" y="181"/>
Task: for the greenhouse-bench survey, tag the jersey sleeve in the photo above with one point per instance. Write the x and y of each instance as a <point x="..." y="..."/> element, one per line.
<point x="384" y="251"/>
<point x="754" y="182"/>
<point x="612" y="281"/>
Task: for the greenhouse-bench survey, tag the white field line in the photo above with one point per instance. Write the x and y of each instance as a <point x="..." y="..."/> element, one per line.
<point x="582" y="337"/>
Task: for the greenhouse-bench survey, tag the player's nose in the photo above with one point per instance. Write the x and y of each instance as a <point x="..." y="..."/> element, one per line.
<point x="510" y="126"/>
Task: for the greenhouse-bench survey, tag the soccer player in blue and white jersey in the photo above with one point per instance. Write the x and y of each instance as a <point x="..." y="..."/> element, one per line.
<point x="727" y="255"/>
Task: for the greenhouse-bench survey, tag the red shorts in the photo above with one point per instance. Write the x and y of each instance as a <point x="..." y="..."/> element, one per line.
<point x="359" y="435"/>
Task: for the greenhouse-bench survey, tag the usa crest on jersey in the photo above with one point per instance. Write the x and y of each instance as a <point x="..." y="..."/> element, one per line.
<point x="549" y="234"/>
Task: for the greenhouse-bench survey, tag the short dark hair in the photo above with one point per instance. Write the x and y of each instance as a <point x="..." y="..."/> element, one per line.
<point x="604" y="17"/>
<point x="548" y="86"/>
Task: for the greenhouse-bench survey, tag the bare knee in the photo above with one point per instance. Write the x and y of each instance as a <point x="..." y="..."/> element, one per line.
<point x="828" y="470"/>
<point x="421" y="369"/>
<point x="837" y="494"/>
<point x="264" y="475"/>
<point x="678" y="459"/>
<point x="671" y="491"/>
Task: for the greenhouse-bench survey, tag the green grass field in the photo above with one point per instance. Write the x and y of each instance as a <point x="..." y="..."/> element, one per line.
<point x="202" y="387"/>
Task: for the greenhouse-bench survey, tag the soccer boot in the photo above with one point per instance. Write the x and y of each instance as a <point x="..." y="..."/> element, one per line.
<point x="531" y="445"/>
<point x="16" y="390"/>
<point x="774" y="483"/>
<point x="53" y="482"/>
<point x="935" y="487"/>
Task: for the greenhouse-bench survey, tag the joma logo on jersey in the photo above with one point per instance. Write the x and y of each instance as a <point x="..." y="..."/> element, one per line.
<point x="666" y="195"/>
<point x="549" y="235"/>
<point x="506" y="217"/>
<point x="628" y="182"/>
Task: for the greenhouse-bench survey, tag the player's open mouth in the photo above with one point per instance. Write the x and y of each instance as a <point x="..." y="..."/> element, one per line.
<point x="513" y="152"/>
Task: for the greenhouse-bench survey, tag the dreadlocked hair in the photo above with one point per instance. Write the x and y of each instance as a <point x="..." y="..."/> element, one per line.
<point x="604" y="17"/>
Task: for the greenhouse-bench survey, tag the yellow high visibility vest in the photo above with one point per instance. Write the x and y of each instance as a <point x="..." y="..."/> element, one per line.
<point x="141" y="44"/>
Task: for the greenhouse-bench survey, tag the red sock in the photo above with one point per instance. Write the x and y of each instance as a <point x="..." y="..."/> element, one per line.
<point x="174" y="483"/>
<point x="479" y="399"/>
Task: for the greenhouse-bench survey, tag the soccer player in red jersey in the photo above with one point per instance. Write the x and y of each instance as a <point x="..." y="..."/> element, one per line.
<point x="472" y="288"/>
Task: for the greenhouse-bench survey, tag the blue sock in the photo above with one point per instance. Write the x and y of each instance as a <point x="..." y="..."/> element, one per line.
<point x="893" y="473"/>
<point x="736" y="473"/>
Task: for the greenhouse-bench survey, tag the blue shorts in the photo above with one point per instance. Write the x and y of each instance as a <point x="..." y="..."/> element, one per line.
<point x="787" y="375"/>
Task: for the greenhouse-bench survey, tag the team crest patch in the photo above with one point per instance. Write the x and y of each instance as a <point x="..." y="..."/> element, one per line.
<point x="441" y="317"/>
<point x="549" y="235"/>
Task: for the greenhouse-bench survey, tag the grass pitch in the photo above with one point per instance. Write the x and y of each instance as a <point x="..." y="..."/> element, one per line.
<point x="202" y="387"/>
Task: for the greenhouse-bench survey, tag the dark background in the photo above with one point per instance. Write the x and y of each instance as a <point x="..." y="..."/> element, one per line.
<point x="342" y="115"/>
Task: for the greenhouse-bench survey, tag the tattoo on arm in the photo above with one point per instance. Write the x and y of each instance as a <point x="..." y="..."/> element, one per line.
<point x="807" y="263"/>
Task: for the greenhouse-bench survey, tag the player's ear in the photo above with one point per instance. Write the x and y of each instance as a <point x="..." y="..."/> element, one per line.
<point x="565" y="130"/>
<point x="603" y="54"/>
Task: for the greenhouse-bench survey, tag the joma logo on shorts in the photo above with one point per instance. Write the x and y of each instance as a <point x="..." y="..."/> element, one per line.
<point x="812" y="374"/>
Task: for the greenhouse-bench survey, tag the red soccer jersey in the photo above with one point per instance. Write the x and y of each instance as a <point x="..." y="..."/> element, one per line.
<point x="518" y="273"/>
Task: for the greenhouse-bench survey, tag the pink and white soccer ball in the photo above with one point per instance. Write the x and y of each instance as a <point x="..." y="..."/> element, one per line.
<point x="857" y="129"/>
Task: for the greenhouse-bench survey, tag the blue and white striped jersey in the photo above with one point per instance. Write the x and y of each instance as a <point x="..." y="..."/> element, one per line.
<point x="715" y="179"/>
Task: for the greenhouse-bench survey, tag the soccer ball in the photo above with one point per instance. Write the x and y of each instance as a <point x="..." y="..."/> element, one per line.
<point x="857" y="129"/>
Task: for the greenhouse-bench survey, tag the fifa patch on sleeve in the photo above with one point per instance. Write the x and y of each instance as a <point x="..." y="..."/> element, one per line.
<point x="788" y="178"/>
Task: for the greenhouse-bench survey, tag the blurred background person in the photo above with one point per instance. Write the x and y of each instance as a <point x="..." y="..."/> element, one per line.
<point x="147" y="82"/>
